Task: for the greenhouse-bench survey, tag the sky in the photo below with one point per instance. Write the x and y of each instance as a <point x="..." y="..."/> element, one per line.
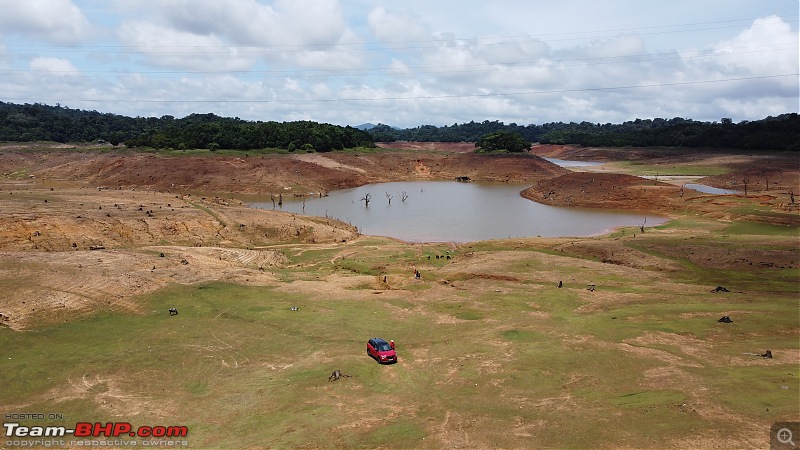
<point x="405" y="63"/>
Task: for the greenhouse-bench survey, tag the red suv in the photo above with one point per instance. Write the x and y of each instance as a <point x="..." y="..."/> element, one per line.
<point x="381" y="351"/>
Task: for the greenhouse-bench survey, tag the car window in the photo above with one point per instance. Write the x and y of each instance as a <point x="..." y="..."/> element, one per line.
<point x="384" y="347"/>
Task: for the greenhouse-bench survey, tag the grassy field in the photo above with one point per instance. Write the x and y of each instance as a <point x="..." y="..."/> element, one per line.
<point x="491" y="352"/>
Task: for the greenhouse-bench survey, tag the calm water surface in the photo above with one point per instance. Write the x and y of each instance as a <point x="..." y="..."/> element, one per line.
<point x="709" y="189"/>
<point x="444" y="211"/>
<point x="572" y="163"/>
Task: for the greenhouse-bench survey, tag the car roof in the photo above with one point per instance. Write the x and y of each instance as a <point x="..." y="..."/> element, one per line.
<point x="378" y="341"/>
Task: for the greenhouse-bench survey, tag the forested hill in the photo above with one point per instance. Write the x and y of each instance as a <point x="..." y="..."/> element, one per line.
<point x="56" y="123"/>
<point x="39" y="122"/>
<point x="773" y="133"/>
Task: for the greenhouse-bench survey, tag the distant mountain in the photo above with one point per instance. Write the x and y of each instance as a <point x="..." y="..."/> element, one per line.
<point x="368" y="126"/>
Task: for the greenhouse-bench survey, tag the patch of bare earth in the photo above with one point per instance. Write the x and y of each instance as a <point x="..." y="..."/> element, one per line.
<point x="44" y="287"/>
<point x="618" y="253"/>
<point x="262" y="174"/>
<point x="734" y="257"/>
<point x="110" y="393"/>
<point x="68" y="252"/>
<point x="585" y="189"/>
<point x="772" y="176"/>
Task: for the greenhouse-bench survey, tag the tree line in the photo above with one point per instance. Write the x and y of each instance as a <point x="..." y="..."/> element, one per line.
<point x="771" y="133"/>
<point x="37" y="122"/>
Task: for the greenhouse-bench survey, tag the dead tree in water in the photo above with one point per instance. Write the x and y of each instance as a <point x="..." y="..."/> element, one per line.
<point x="791" y="195"/>
<point x="404" y="196"/>
<point x="389" y="196"/>
<point x="272" y="197"/>
<point x="366" y="199"/>
<point x="745" y="181"/>
<point x="280" y="199"/>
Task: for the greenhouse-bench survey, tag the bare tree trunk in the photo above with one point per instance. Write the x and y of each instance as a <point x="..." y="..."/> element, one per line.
<point x="366" y="199"/>
<point x="745" y="181"/>
<point x="389" y="196"/>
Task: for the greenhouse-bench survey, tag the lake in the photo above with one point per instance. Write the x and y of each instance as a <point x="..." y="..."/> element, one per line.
<point x="709" y="189"/>
<point x="450" y="211"/>
<point x="572" y="163"/>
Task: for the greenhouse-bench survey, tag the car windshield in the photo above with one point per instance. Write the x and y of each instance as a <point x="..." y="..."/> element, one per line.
<point x="384" y="347"/>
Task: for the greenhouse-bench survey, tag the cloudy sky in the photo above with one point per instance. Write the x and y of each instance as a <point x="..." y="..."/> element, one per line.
<point x="405" y="62"/>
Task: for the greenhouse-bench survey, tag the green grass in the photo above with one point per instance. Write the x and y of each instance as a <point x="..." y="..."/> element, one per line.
<point x="520" y="335"/>
<point x="763" y="392"/>
<point x="754" y="228"/>
<point x="689" y="223"/>
<point x="529" y="366"/>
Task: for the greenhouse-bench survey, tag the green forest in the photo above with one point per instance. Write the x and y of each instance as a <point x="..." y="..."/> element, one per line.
<point x="772" y="133"/>
<point x="38" y="122"/>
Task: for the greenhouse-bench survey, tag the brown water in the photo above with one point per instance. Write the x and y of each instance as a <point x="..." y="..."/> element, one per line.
<point x="445" y="211"/>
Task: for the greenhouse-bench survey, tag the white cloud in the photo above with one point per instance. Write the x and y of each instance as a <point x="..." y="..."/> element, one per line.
<point x="491" y="65"/>
<point x="308" y="33"/>
<point x="512" y="50"/>
<point x="411" y="62"/>
<point x="397" y="27"/>
<point x="620" y="46"/>
<point x="340" y="57"/>
<point x="171" y="48"/>
<point x="56" y="21"/>
<point x="248" y="22"/>
<point x="769" y="45"/>
<point x="57" y="66"/>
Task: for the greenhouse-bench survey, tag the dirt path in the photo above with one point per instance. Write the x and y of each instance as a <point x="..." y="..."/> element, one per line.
<point x="325" y="162"/>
